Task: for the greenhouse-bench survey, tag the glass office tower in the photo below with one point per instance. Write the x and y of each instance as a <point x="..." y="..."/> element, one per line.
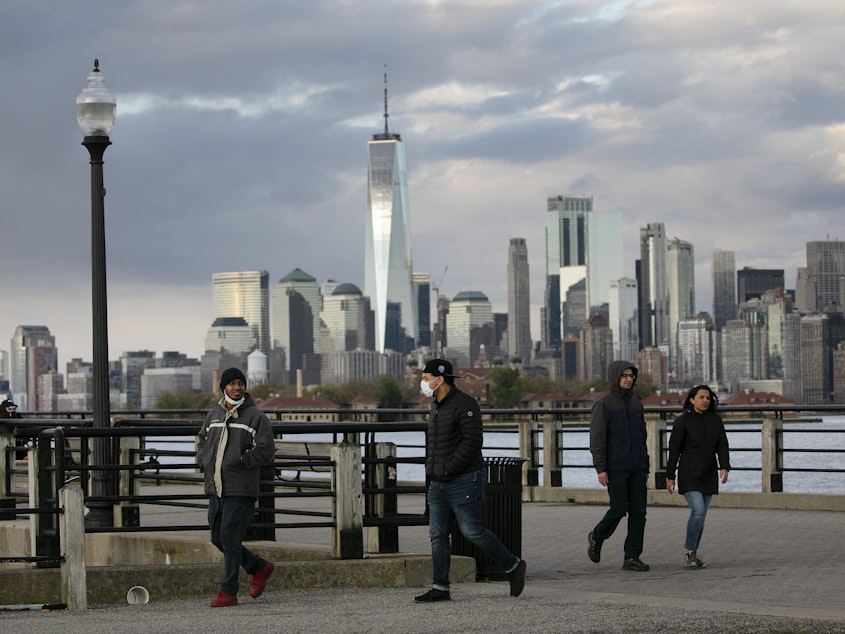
<point x="387" y="248"/>
<point x="244" y="294"/>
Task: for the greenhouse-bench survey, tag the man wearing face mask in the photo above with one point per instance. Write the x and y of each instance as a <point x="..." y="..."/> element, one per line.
<point x="235" y="441"/>
<point x="457" y="478"/>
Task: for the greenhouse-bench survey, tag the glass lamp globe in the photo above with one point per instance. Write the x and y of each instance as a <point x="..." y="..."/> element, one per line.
<point x="95" y="105"/>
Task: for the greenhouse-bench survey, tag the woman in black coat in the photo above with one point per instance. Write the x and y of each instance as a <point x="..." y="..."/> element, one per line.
<point x="698" y="438"/>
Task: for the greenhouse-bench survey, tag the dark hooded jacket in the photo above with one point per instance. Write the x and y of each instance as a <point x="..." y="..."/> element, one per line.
<point x="617" y="426"/>
<point x="237" y="442"/>
<point x="455" y="437"/>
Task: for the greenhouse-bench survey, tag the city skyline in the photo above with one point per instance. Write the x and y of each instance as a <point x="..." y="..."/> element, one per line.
<point x="732" y="137"/>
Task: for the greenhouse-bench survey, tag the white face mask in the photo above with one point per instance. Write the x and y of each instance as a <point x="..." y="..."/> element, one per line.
<point x="425" y="388"/>
<point x="233" y="402"/>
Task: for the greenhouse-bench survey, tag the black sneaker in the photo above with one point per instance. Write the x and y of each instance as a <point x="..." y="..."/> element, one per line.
<point x="691" y="560"/>
<point x="632" y="563"/>
<point x="516" y="578"/>
<point x="594" y="548"/>
<point x="433" y="595"/>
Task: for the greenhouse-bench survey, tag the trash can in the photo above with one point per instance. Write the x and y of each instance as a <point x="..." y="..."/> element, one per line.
<point x="502" y="514"/>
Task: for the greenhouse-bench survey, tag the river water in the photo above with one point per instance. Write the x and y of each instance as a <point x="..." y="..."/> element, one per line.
<point x="808" y="445"/>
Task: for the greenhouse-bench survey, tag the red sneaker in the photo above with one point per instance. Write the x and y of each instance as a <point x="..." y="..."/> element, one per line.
<point x="224" y="600"/>
<point x="259" y="580"/>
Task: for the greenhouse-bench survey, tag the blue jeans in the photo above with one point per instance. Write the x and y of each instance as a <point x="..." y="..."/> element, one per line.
<point x="229" y="518"/>
<point x="698" y="505"/>
<point x="461" y="500"/>
<point x="628" y="496"/>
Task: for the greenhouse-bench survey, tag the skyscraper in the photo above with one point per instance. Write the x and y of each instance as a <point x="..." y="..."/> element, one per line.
<point x="752" y="283"/>
<point x="622" y="310"/>
<point x="680" y="287"/>
<point x="566" y="247"/>
<point x="422" y="294"/>
<point x="32" y="352"/>
<point x="697" y="356"/>
<point x="654" y="313"/>
<point x="469" y="325"/>
<point x="723" y="272"/>
<point x="604" y="255"/>
<point x="519" y="301"/>
<point x="826" y="261"/>
<point x="387" y="246"/>
<point x="245" y="294"/>
<point x="297" y="304"/>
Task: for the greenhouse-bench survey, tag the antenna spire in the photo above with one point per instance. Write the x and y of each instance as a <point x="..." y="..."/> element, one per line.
<point x="385" y="101"/>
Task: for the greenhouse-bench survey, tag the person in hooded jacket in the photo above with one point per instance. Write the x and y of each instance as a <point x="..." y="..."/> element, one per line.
<point x="698" y="438"/>
<point x="620" y="457"/>
<point x="235" y="441"/>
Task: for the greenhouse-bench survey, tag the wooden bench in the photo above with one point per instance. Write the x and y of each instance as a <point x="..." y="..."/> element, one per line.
<point x="302" y="456"/>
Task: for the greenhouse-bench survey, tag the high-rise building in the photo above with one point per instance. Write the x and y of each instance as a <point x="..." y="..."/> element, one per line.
<point x="245" y="294"/>
<point x="820" y="336"/>
<point x="604" y="255"/>
<point x="805" y="291"/>
<point x="654" y="309"/>
<point x="132" y="366"/>
<point x="826" y="261"/>
<point x="752" y="283"/>
<point x="596" y="348"/>
<point x="697" y="357"/>
<point x="566" y="247"/>
<point x="777" y="311"/>
<point x="297" y="304"/>
<point x="422" y="294"/>
<point x="519" y="302"/>
<point x="745" y="353"/>
<point x="723" y="272"/>
<point x="348" y="319"/>
<point x="680" y="286"/>
<point x="387" y="245"/>
<point x="653" y="362"/>
<point x="32" y="352"/>
<point x="793" y="385"/>
<point x="469" y="325"/>
<point x="622" y="312"/>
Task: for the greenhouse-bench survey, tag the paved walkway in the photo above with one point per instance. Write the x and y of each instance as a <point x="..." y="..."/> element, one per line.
<point x="767" y="571"/>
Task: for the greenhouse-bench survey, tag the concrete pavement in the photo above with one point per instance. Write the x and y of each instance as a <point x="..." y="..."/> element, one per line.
<point x="767" y="571"/>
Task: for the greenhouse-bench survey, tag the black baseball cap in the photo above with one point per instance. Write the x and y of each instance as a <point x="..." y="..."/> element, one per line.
<point x="439" y="367"/>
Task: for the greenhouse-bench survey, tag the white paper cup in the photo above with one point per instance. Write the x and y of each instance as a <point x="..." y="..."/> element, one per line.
<point x="138" y="594"/>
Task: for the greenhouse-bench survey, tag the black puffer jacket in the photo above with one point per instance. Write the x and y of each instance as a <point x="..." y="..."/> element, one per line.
<point x="617" y="426"/>
<point x="455" y="437"/>
<point x="238" y="442"/>
<point x="696" y="441"/>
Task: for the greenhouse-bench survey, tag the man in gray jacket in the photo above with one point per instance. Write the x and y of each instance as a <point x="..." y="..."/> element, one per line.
<point x="457" y="478"/>
<point x="235" y="441"/>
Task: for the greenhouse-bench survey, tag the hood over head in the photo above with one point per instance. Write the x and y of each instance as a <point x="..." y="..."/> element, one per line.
<point x="614" y="373"/>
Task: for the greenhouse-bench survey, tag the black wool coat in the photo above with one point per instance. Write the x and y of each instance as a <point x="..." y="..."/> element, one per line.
<point x="697" y="440"/>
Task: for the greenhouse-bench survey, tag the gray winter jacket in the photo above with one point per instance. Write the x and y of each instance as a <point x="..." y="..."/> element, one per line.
<point x="233" y="446"/>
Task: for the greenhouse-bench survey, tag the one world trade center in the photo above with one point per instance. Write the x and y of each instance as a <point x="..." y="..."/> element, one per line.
<point x="387" y="268"/>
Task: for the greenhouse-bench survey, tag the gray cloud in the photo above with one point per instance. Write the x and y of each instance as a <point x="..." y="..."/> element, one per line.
<point x="242" y="128"/>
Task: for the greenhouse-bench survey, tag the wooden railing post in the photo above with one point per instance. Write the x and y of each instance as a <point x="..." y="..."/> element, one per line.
<point x="552" y="467"/>
<point x="72" y="545"/>
<point x="7" y="502"/>
<point x="127" y="513"/>
<point x="384" y="539"/>
<point x="771" y="457"/>
<point x="528" y="449"/>
<point x="348" y="540"/>
<point x="656" y="429"/>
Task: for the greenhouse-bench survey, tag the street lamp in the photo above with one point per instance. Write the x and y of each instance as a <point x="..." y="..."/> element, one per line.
<point x="95" y="113"/>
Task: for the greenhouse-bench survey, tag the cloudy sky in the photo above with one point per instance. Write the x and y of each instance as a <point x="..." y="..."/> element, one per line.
<point x="242" y="129"/>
